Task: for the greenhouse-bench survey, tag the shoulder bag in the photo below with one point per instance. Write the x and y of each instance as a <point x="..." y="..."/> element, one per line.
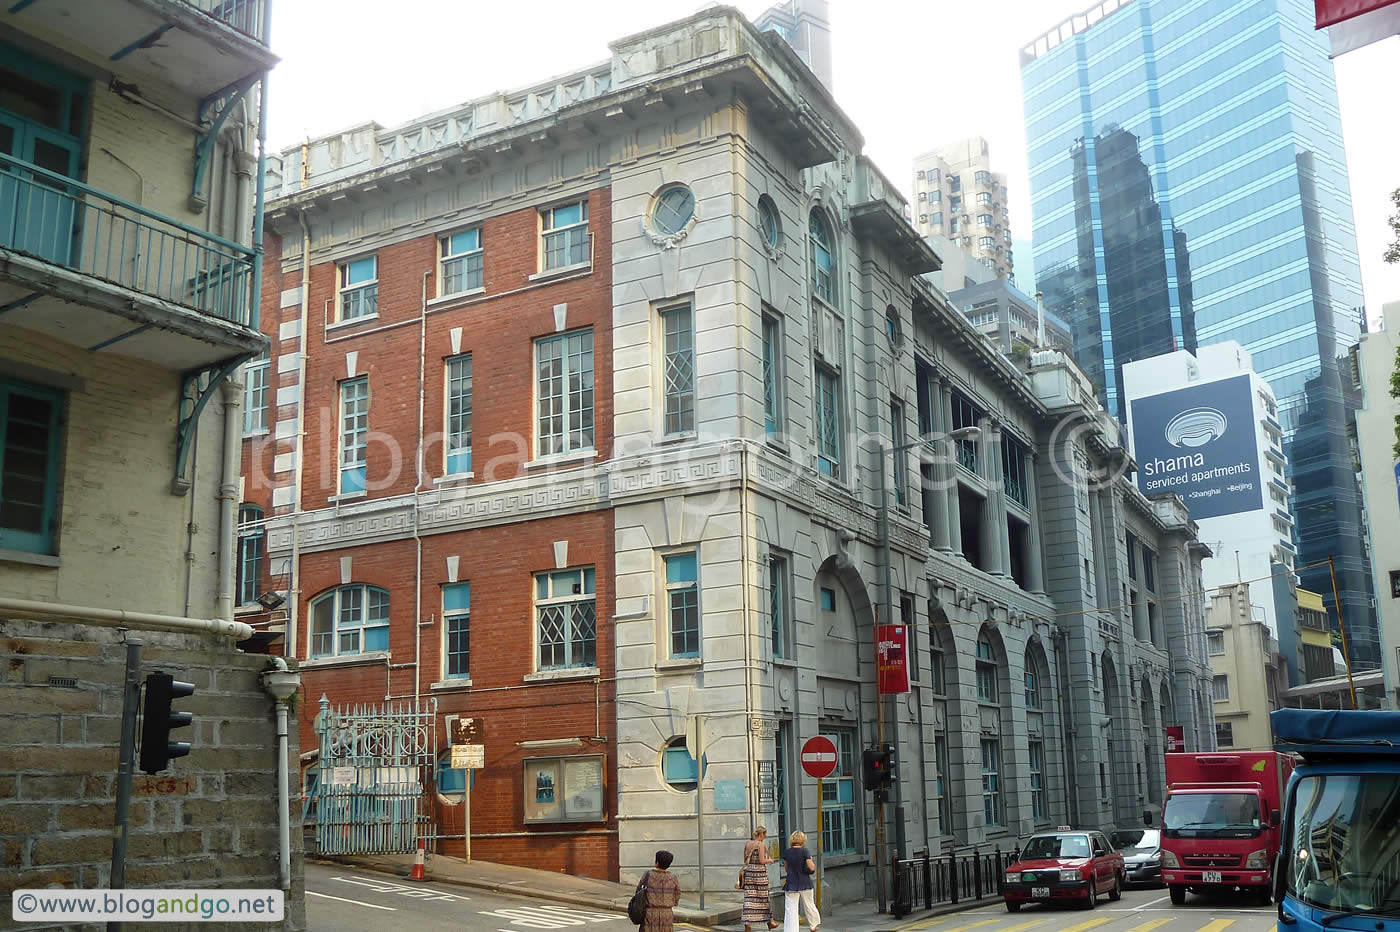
<point x="637" y="906"/>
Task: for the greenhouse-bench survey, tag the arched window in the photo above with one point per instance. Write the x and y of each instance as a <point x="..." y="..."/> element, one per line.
<point x="350" y="620"/>
<point x="1034" y="685"/>
<point x="251" y="549"/>
<point x="823" y="281"/>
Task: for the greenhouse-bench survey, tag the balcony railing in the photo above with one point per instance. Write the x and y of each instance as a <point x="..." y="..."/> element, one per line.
<point x="247" y="16"/>
<point x="69" y="224"/>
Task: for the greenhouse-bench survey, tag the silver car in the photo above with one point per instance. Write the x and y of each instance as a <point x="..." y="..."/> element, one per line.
<point x="1142" y="854"/>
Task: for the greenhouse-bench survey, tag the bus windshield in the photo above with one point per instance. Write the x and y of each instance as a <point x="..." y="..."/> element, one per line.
<point x="1343" y="843"/>
<point x="1212" y="815"/>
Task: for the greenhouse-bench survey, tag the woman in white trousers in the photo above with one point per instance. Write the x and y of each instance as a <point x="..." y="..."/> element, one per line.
<point x="798" y="886"/>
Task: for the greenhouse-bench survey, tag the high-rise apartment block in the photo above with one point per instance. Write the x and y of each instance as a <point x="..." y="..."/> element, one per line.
<point x="1188" y="187"/>
<point x="960" y="201"/>
<point x="805" y="26"/>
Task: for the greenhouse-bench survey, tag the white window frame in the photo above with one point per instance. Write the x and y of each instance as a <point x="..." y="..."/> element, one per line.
<point x="573" y="437"/>
<point x="575" y="606"/>
<point x="681" y="589"/>
<point x="457" y="439"/>
<point x="471" y="261"/>
<point x="677" y="342"/>
<point x="988" y="674"/>
<point x="838" y="816"/>
<point x="364" y="295"/>
<point x="348" y="619"/>
<point x="1220" y="687"/>
<point x="993" y="813"/>
<point x="1215" y="638"/>
<point x="448" y="617"/>
<point x="255" y="395"/>
<point x="1035" y="768"/>
<point x="252" y="552"/>
<point x="574" y="235"/>
<point x="354" y="435"/>
<point x="823" y="282"/>
<point x="771" y="338"/>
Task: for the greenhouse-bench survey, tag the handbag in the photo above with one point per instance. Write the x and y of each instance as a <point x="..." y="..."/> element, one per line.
<point x="637" y="906"/>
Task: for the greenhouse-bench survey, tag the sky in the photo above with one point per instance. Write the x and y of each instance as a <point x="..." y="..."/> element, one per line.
<point x="912" y="74"/>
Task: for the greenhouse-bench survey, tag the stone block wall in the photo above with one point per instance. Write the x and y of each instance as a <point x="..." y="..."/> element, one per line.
<point x="209" y="821"/>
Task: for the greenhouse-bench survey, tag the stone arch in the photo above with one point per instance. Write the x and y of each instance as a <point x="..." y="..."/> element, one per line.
<point x="843" y="618"/>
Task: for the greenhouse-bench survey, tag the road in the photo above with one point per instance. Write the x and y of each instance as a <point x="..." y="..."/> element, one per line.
<point x="344" y="900"/>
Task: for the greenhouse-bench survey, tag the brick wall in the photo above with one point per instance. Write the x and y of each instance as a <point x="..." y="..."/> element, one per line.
<point x="209" y="821"/>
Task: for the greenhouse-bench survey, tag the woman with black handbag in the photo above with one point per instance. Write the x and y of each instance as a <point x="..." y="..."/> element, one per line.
<point x="659" y="892"/>
<point x="798" y="886"/>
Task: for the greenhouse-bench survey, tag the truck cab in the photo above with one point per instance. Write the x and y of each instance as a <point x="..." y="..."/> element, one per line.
<point x="1339" y="858"/>
<point x="1220" y="822"/>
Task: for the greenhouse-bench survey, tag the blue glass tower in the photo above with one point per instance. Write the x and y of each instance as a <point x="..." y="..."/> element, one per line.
<point x="1188" y="186"/>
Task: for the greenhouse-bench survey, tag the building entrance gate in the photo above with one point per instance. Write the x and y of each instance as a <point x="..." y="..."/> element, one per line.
<point x="376" y="771"/>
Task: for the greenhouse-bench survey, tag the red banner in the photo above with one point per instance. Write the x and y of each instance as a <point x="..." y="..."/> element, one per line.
<point x="1176" y="739"/>
<point x="1331" y="12"/>
<point x="892" y="659"/>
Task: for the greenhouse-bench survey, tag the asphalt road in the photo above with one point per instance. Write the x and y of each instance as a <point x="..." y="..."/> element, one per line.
<point x="1140" y="910"/>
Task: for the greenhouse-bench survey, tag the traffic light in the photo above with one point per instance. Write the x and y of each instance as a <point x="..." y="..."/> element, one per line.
<point x="878" y="768"/>
<point x="158" y="719"/>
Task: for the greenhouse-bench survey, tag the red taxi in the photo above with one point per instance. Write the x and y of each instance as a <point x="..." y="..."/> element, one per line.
<point x="1064" y="865"/>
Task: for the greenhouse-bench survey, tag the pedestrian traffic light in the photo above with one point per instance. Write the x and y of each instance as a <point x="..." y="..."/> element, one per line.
<point x="158" y="719"/>
<point x="876" y="768"/>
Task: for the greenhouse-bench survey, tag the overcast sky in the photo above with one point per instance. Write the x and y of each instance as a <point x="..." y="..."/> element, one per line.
<point x="912" y="74"/>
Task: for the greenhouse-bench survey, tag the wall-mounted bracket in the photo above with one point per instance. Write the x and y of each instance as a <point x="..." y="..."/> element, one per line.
<point x="196" y="388"/>
<point x="213" y="111"/>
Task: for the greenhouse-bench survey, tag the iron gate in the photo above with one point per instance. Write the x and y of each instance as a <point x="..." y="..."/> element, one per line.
<point x="377" y="768"/>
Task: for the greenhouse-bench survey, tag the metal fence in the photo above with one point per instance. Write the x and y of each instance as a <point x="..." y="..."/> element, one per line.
<point x="66" y="223"/>
<point x="923" y="881"/>
<point x="247" y="16"/>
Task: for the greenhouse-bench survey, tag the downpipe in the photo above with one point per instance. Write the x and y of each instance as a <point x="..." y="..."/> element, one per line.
<point x="228" y="495"/>
<point x="282" y="684"/>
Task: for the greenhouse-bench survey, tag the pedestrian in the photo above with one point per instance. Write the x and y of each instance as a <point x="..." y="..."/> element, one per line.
<point x="663" y="893"/>
<point x="798" y="886"/>
<point x="753" y="880"/>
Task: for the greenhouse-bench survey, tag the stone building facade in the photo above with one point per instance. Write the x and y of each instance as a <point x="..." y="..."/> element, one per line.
<point x="760" y="334"/>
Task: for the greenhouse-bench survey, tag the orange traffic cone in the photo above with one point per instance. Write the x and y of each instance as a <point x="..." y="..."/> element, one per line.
<point x="418" y="873"/>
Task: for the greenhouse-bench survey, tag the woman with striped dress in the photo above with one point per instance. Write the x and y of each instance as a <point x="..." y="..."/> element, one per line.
<point x="758" y="906"/>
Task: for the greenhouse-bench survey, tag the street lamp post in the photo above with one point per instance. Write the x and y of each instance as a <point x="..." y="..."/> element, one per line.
<point x="887" y="600"/>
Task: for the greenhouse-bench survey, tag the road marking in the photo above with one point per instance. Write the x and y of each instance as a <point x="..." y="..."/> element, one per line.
<point x="1149" y="925"/>
<point x="1086" y="925"/>
<point x="341" y="899"/>
<point x="1217" y="925"/>
<point x="1150" y="902"/>
<point x="930" y="923"/>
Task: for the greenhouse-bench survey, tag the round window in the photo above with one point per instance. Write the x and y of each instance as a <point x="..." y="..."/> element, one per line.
<point x="768" y="224"/>
<point x="678" y="768"/>
<point x="673" y="210"/>
<point x="893" y="329"/>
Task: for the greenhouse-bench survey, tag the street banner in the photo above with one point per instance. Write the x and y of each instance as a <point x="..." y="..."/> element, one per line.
<point x="1176" y="739"/>
<point x="892" y="658"/>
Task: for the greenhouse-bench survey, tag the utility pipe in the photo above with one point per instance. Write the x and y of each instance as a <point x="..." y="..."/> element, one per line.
<point x="121" y="618"/>
<point x="417" y="489"/>
<point x="289" y="642"/>
<point x="228" y="495"/>
<point x="282" y="684"/>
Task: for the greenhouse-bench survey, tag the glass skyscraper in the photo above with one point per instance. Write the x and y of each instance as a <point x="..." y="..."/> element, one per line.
<point x="1188" y="186"/>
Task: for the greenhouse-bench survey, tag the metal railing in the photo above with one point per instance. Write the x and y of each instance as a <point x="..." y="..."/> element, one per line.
<point x="247" y="16"/>
<point x="64" y="222"/>
<point x="923" y="882"/>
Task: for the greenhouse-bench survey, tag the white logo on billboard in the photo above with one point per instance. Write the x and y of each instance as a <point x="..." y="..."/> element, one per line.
<point x="1196" y="427"/>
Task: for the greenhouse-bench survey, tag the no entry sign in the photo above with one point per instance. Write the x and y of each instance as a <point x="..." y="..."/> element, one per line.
<point x="819" y="757"/>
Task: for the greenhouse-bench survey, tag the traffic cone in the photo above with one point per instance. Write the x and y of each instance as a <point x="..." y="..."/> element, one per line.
<point x="418" y="873"/>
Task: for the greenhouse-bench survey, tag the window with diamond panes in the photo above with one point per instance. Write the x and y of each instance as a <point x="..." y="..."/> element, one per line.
<point x="839" y="796"/>
<point x="564" y="230"/>
<point x="350" y="620"/>
<point x="683" y="604"/>
<point x="567" y="618"/>
<point x="828" y="416"/>
<point x="459" y="415"/>
<point x="678" y="369"/>
<point x="823" y="279"/>
<point x="456" y="616"/>
<point x="564" y="371"/>
<point x="354" y="434"/>
<point x="462" y="262"/>
<point x="772" y="375"/>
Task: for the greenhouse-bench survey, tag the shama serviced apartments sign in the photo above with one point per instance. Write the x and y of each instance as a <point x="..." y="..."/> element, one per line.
<point x="1200" y="442"/>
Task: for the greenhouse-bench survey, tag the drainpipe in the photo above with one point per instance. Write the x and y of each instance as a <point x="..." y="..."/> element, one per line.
<point x="418" y="488"/>
<point x="228" y="495"/>
<point x="121" y="618"/>
<point x="282" y="684"/>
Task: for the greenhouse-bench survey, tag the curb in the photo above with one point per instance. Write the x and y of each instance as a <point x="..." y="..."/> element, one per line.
<point x="616" y="904"/>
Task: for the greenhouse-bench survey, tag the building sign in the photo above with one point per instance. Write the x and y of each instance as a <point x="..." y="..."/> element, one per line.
<point x="731" y="796"/>
<point x="1176" y="739"/>
<point x="468" y="756"/>
<point x="892" y="658"/>
<point x="1202" y="443"/>
<point x="767" y="786"/>
<point x="564" y="789"/>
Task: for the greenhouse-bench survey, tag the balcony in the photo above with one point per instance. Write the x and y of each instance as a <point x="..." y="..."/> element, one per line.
<point x="199" y="46"/>
<point x="96" y="271"/>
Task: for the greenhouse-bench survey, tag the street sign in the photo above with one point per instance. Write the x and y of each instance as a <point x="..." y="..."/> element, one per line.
<point x="466" y="731"/>
<point x="819" y="757"/>
<point x="468" y="756"/>
<point x="1176" y="739"/>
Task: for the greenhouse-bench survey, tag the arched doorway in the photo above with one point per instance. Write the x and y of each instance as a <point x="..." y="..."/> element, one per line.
<point x="1040" y="713"/>
<point x="945" y="685"/>
<point x="993" y="683"/>
<point x="1115" y="783"/>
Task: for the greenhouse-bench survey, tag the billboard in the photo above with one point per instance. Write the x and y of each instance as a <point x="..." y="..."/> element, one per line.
<point x="1200" y="442"/>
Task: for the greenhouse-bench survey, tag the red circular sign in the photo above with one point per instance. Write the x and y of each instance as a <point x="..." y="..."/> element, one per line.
<point x="819" y="757"/>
